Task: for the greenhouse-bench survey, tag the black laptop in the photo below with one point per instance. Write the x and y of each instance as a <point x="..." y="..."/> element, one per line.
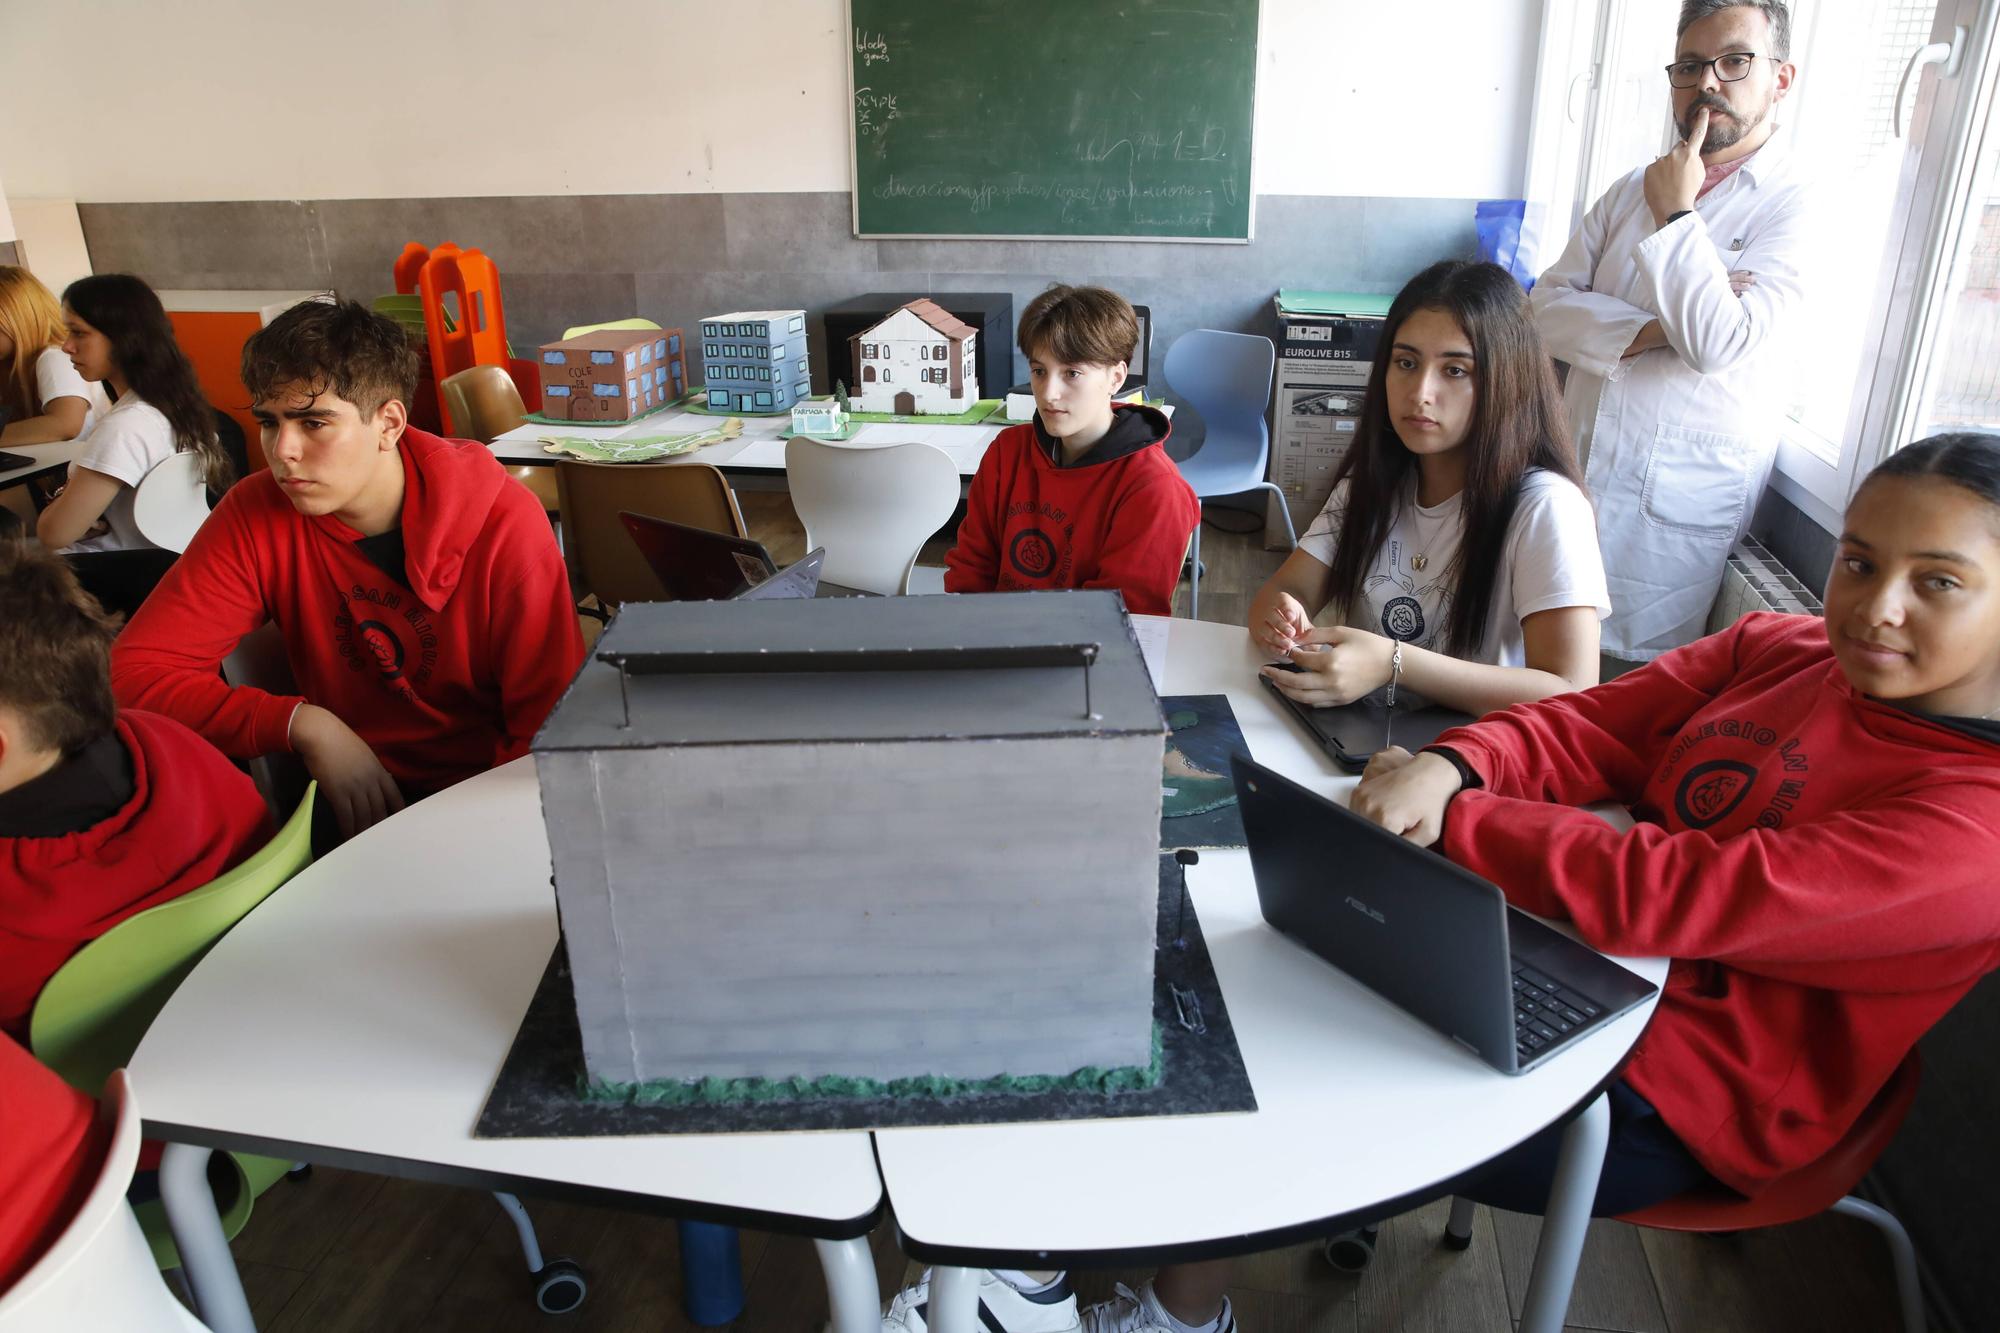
<point x="1352" y="732"/>
<point x="1430" y="937"/>
<point x="696" y="565"/>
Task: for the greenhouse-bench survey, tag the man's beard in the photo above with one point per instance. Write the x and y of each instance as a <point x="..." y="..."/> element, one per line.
<point x="1725" y="127"/>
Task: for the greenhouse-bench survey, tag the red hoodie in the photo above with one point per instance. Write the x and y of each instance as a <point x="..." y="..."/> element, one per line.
<point x="50" y="1158"/>
<point x="1119" y="517"/>
<point x="443" y="678"/>
<point x="192" y="815"/>
<point x="1823" y="868"/>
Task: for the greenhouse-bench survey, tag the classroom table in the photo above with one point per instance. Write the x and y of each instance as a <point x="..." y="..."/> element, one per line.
<point x="1362" y="1113"/>
<point x="47" y="459"/>
<point x="359" y="1016"/>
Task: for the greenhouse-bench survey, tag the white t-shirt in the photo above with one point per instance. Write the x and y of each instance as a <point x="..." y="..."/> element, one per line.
<point x="56" y="378"/>
<point x="1550" y="559"/>
<point x="129" y="441"/>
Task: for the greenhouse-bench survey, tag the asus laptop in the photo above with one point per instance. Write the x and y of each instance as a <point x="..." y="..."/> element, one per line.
<point x="1352" y="732"/>
<point x="696" y="565"/>
<point x="1430" y="937"/>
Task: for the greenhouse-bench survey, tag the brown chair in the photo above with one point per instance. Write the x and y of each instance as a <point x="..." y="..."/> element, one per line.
<point x="482" y="404"/>
<point x="603" y="561"/>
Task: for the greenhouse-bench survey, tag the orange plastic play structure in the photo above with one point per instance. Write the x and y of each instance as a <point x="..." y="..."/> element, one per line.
<point x="473" y="334"/>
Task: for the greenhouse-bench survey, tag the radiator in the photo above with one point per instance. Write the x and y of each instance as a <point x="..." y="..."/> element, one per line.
<point x="1755" y="581"/>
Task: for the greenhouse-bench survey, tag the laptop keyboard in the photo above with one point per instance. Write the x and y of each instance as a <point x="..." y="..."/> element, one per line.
<point x="1547" y="1014"/>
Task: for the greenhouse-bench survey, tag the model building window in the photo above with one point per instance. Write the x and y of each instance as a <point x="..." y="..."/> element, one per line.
<point x="802" y="365"/>
<point x="798" y="324"/>
<point x="711" y="350"/>
<point x="940" y="352"/>
<point x="763" y="398"/>
<point x="801" y="389"/>
<point x="924" y="354"/>
<point x="763" y="329"/>
<point x="708" y="331"/>
<point x="674" y="344"/>
<point x="886" y="376"/>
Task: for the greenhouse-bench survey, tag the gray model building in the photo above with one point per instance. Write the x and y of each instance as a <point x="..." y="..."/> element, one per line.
<point x="867" y="837"/>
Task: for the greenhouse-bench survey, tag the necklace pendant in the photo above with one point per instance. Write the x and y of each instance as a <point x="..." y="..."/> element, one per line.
<point x="1417" y="562"/>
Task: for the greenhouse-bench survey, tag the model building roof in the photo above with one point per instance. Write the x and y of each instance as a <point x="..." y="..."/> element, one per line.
<point x="935" y="315"/>
<point x="739" y="315"/>
<point x="610" y="340"/>
<point x="857" y="669"/>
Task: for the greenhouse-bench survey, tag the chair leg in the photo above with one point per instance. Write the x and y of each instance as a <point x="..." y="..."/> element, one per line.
<point x="1458" y="1230"/>
<point x="559" y="1285"/>
<point x="524" y="1227"/>
<point x="1194" y="571"/>
<point x="1903" y="1255"/>
<point x="211" y="1270"/>
<point x="1284" y="512"/>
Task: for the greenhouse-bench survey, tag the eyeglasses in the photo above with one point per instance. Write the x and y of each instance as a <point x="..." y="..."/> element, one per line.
<point x="1728" y="69"/>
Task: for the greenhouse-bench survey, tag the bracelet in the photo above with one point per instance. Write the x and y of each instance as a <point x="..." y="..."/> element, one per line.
<point x="1395" y="673"/>
<point x="1672" y="218"/>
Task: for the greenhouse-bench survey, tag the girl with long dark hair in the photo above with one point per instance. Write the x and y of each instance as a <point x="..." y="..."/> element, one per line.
<point x="119" y="335"/>
<point x="1458" y="543"/>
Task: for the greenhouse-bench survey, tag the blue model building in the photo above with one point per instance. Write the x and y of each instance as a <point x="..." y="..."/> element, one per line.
<point x="755" y="360"/>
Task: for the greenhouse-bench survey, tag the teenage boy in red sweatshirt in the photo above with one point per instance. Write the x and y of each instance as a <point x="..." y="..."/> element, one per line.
<point x="1083" y="496"/>
<point x="424" y="606"/>
<point x="102" y="813"/>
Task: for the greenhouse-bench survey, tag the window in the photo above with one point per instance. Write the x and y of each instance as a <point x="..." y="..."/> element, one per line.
<point x="885" y="375"/>
<point x="711" y="350"/>
<point x="763" y="397"/>
<point x="674" y="343"/>
<point x="764" y="374"/>
<point x="718" y="398"/>
<point x="802" y="389"/>
<point x="924" y="352"/>
<point x="729" y="330"/>
<point x="763" y="329"/>
<point x="802" y="366"/>
<point x="798" y="324"/>
<point x="708" y="331"/>
<point x="939" y="353"/>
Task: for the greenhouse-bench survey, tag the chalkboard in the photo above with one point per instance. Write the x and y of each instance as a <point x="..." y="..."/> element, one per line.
<point x="1053" y="118"/>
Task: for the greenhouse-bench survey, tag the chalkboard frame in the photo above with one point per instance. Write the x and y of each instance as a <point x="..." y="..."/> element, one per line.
<point x="850" y="42"/>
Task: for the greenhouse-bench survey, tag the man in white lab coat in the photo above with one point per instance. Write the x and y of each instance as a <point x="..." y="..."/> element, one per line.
<point x="1676" y="307"/>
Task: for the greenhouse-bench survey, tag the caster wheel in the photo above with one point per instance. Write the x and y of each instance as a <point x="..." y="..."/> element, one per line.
<point x="300" y="1173"/>
<point x="1351" y="1251"/>
<point x="559" y="1287"/>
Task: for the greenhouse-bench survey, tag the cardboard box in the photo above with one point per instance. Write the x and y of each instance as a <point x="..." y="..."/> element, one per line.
<point x="1326" y="348"/>
<point x="612" y="374"/>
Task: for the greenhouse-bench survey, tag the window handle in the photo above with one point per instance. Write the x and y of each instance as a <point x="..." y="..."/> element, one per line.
<point x="1936" y="53"/>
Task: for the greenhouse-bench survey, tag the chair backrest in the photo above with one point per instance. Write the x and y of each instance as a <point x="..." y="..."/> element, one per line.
<point x="1227" y="377"/>
<point x="603" y="560"/>
<point x="90" y="1016"/>
<point x="259" y="660"/>
<point x="578" y="330"/>
<point x="235" y="444"/>
<point x="100" y="1271"/>
<point x="872" y="508"/>
<point x="482" y="403"/>
<point x="171" y="501"/>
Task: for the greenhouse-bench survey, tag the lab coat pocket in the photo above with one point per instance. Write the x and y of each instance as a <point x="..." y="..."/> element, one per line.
<point x="1698" y="481"/>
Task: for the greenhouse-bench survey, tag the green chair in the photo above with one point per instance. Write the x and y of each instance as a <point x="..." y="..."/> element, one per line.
<point x="90" y="1016"/>
<point x="635" y="323"/>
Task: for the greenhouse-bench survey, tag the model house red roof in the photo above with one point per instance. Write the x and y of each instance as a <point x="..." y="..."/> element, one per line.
<point x="935" y="315"/>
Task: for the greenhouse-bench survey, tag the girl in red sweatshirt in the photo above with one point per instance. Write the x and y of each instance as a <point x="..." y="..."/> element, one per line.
<point x="1817" y="846"/>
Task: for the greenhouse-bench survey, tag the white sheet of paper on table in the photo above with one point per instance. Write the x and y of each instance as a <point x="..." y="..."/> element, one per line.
<point x="1152" y="632"/>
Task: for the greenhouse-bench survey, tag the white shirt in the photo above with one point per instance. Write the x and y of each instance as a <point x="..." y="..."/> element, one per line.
<point x="56" y="378"/>
<point x="1678" y="442"/>
<point x="130" y="440"/>
<point x="1549" y="560"/>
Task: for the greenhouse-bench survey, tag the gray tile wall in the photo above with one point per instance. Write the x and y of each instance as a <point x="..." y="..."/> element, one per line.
<point x="675" y="258"/>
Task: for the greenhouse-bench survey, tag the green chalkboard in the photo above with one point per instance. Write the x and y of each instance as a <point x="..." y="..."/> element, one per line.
<point x="1053" y="118"/>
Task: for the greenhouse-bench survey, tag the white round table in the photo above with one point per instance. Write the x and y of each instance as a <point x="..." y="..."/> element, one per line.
<point x="1361" y="1110"/>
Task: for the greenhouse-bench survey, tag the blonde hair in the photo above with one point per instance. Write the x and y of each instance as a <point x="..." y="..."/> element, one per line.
<point x="32" y="319"/>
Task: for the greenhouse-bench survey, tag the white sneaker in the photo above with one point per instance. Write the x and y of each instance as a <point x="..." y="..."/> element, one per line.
<point x="1001" y="1308"/>
<point x="1140" y="1312"/>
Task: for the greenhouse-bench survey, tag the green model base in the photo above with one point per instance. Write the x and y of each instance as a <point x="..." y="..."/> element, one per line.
<point x="709" y="1091"/>
<point x="541" y="419"/>
<point x="972" y="416"/>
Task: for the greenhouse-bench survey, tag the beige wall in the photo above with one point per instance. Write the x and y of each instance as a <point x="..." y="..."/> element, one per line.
<point x="383" y="99"/>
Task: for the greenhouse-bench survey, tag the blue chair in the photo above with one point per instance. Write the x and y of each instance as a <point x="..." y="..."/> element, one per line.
<point x="1227" y="378"/>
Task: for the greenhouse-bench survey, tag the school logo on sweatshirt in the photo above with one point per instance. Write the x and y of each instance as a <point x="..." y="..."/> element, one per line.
<point x="388" y="633"/>
<point x="1710" y="792"/>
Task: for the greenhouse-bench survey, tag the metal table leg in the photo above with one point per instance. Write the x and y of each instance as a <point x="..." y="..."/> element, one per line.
<point x="1566" y="1219"/>
<point x="954" y="1300"/>
<point x="851" y="1292"/>
<point x="197" y="1228"/>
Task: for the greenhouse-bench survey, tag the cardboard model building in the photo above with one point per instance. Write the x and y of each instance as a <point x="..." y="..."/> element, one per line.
<point x="613" y="374"/>
<point x="918" y="361"/>
<point x="818" y="416"/>
<point x="755" y="360"/>
<point x="859" y="837"/>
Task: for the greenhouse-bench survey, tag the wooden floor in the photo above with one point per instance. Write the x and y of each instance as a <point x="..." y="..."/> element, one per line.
<point x="344" y="1251"/>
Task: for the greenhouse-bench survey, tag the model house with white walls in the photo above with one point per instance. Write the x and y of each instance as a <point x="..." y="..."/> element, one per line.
<point x="918" y="361"/>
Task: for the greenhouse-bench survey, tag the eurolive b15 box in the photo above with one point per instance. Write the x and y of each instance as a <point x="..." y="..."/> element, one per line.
<point x="1326" y="347"/>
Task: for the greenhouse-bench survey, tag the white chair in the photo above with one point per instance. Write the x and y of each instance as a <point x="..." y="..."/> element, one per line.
<point x="100" y="1272"/>
<point x="171" y="502"/>
<point x="872" y="508"/>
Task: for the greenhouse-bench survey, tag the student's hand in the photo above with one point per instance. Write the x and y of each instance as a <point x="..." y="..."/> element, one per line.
<point x="1340" y="665"/>
<point x="1280" y="631"/>
<point x="1741" y="280"/>
<point x="350" y="777"/>
<point x="1407" y="793"/>
<point x="1674" y="179"/>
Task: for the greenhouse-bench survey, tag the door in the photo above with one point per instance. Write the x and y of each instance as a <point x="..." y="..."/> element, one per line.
<point x="906" y="404"/>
